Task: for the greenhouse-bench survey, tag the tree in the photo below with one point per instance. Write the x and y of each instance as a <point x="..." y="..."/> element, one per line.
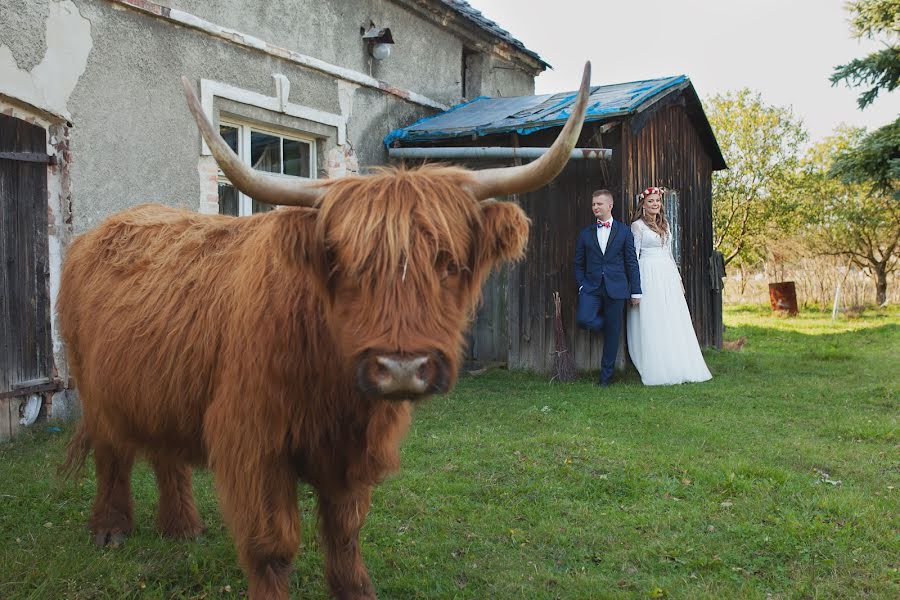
<point x="875" y="159"/>
<point x="873" y="19"/>
<point x="863" y="222"/>
<point x="752" y="199"/>
<point x="857" y="220"/>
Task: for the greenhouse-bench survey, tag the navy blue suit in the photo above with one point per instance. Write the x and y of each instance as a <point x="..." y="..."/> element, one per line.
<point x="606" y="280"/>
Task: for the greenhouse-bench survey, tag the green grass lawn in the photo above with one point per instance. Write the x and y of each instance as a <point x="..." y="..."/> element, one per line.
<point x="778" y="479"/>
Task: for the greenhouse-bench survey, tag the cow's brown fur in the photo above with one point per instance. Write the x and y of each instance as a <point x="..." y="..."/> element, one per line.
<point x="197" y="339"/>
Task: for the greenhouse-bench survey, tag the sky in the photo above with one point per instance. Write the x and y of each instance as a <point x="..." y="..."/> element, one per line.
<point x="784" y="49"/>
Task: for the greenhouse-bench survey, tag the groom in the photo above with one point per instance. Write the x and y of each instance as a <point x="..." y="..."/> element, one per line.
<point x="606" y="269"/>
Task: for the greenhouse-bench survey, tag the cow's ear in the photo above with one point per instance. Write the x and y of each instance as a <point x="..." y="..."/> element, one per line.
<point x="504" y="233"/>
<point x="298" y="245"/>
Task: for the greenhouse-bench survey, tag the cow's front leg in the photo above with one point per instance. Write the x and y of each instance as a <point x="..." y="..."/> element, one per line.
<point x="342" y="516"/>
<point x="111" y="519"/>
<point x="177" y="515"/>
<point x="258" y="498"/>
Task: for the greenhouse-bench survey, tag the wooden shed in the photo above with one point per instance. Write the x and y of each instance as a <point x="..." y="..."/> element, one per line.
<point x="656" y="133"/>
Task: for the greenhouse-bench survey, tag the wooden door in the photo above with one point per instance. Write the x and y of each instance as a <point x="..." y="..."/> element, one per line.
<point x="25" y="347"/>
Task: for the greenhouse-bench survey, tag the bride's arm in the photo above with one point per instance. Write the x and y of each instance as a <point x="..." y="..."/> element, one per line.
<point x="636" y="233"/>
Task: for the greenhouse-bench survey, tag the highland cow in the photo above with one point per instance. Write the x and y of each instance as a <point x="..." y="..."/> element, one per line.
<point x="284" y="346"/>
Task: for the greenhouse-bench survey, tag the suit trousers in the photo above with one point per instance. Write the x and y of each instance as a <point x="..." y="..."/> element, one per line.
<point x="600" y="313"/>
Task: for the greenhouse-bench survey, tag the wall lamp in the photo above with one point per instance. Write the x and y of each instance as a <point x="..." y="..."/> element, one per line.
<point x="378" y="39"/>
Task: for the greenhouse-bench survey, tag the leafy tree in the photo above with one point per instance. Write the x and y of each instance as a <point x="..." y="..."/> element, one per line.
<point x="857" y="220"/>
<point x="753" y="199"/>
<point x="873" y="19"/>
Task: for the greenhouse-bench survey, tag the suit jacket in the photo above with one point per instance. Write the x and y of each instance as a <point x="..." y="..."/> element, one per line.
<point x="616" y="270"/>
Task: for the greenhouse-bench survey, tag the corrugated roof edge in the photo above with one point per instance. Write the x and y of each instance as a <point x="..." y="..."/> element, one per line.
<point x="639" y="104"/>
<point x="403" y="132"/>
<point x="527" y="127"/>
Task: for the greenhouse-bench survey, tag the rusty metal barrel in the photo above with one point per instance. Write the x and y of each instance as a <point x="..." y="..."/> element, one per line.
<point x="783" y="298"/>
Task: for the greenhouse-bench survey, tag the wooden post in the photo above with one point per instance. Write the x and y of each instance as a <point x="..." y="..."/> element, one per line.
<point x="513" y="296"/>
<point x="5" y="425"/>
<point x="837" y="290"/>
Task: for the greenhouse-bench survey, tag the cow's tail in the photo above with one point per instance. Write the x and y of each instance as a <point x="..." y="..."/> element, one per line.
<point x="76" y="453"/>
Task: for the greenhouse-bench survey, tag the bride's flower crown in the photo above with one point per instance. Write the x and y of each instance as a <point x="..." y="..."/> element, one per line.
<point x="652" y="190"/>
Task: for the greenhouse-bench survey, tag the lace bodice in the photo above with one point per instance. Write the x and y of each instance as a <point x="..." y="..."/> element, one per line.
<point x="648" y="242"/>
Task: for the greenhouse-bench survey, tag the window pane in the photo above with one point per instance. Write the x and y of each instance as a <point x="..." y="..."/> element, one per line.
<point x="265" y="152"/>
<point x="258" y="207"/>
<point x="228" y="200"/>
<point x="296" y="158"/>
<point x="230" y="135"/>
<point x="673" y="215"/>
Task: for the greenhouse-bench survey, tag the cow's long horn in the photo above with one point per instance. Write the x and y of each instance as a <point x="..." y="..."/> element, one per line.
<point x="257" y="185"/>
<point x="524" y="178"/>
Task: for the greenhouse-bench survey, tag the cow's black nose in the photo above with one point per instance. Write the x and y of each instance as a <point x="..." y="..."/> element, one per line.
<point x="402" y="375"/>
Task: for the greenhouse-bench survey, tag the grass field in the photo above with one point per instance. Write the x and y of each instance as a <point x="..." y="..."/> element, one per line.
<point x="778" y="479"/>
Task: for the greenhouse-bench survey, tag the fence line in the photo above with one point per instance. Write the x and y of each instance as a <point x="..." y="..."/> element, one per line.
<point x="816" y="280"/>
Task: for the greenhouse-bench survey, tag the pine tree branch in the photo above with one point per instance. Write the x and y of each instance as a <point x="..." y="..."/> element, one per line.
<point x="879" y="70"/>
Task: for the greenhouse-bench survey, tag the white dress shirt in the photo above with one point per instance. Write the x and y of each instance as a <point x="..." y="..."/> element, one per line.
<point x="603" y="234"/>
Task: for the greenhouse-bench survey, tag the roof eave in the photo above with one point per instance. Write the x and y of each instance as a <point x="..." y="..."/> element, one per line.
<point x="414" y="139"/>
<point x="464" y="26"/>
<point x="704" y="128"/>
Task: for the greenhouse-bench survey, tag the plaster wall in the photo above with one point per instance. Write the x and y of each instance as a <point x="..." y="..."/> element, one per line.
<point x="426" y="56"/>
<point x="113" y="73"/>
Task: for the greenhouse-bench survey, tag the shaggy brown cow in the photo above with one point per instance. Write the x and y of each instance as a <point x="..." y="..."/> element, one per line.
<point x="280" y="347"/>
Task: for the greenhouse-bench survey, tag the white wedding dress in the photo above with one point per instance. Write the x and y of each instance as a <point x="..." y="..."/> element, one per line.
<point x="661" y="339"/>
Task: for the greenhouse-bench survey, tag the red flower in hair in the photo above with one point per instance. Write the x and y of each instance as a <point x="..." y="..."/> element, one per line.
<point x="651" y="190"/>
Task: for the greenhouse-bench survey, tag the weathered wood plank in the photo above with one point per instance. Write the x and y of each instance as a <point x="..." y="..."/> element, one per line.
<point x="36" y="157"/>
<point x="7" y="359"/>
<point x="14" y="425"/>
<point x="48" y="386"/>
<point x="5" y="429"/>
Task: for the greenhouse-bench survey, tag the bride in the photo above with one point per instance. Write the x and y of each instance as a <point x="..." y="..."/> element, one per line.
<point x="661" y="338"/>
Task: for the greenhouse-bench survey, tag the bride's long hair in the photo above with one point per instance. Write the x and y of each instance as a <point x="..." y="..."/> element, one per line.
<point x="659" y="224"/>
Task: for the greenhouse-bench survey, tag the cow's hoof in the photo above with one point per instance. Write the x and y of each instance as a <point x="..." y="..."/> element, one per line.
<point x="362" y="594"/>
<point x="186" y="532"/>
<point x="113" y="539"/>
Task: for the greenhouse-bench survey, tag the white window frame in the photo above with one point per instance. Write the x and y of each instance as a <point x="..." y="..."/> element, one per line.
<point x="209" y="90"/>
<point x="672" y="204"/>
<point x="245" y="203"/>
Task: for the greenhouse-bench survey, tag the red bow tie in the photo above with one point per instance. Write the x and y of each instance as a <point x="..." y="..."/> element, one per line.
<point x="602" y="224"/>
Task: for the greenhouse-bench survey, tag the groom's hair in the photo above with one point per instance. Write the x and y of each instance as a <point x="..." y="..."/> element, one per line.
<point x="602" y="193"/>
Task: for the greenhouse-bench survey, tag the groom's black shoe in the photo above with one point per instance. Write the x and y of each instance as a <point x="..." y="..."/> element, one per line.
<point x="604" y="384"/>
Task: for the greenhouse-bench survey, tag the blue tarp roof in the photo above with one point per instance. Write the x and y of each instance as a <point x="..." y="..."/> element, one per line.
<point x="527" y="114"/>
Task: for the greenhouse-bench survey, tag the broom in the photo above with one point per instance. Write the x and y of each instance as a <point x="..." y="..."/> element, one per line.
<point x="563" y="363"/>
